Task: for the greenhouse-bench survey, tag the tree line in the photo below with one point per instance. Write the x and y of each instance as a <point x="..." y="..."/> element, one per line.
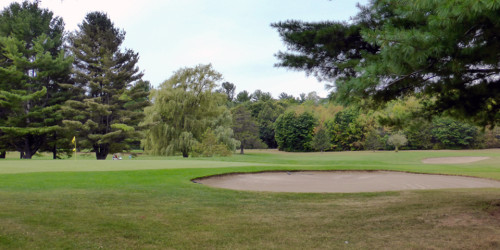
<point x="55" y="86"/>
<point x="319" y="124"/>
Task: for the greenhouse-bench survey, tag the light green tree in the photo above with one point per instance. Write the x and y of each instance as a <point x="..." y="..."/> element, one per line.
<point x="397" y="140"/>
<point x="184" y="107"/>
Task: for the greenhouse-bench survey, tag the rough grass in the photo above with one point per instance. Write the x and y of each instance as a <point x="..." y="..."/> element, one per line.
<point x="136" y="204"/>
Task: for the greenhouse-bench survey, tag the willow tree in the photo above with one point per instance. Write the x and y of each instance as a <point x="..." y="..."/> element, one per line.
<point x="34" y="71"/>
<point x="184" y="107"/>
<point x="105" y="111"/>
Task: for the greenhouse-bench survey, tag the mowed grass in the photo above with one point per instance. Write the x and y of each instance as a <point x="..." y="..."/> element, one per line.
<point x="151" y="203"/>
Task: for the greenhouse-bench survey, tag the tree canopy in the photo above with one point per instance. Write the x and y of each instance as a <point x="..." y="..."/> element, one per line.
<point x="245" y="129"/>
<point x="109" y="96"/>
<point x="294" y="132"/>
<point x="444" y="51"/>
<point x="34" y="73"/>
<point x="184" y="107"/>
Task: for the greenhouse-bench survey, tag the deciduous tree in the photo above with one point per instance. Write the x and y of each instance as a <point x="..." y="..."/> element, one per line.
<point x="397" y="140"/>
<point x="184" y="107"/>
<point x="294" y="132"/>
<point x="245" y="129"/>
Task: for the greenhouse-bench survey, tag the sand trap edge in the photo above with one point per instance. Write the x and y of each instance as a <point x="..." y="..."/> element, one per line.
<point x="348" y="181"/>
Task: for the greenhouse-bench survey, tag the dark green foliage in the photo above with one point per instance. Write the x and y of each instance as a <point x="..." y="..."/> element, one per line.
<point x="243" y="97"/>
<point x="285" y="96"/>
<point x="328" y="50"/>
<point x="346" y="131"/>
<point x="375" y="140"/>
<point x="418" y="132"/>
<point x="294" y="133"/>
<point x="34" y="73"/>
<point x="449" y="133"/>
<point x="266" y="113"/>
<point x="245" y="129"/>
<point x="109" y="99"/>
<point x="446" y="51"/>
<point x="228" y="89"/>
<point x="259" y="95"/>
<point x="321" y="139"/>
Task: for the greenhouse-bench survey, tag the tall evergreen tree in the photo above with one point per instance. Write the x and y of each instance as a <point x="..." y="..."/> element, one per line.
<point x="34" y="71"/>
<point x="444" y="50"/>
<point x="108" y="96"/>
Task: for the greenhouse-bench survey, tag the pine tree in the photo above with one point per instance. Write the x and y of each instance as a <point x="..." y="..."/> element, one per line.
<point x="109" y="98"/>
<point x="446" y="51"/>
<point x="34" y="71"/>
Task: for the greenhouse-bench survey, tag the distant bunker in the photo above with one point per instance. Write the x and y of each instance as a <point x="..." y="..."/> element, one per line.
<point x="454" y="160"/>
<point x="342" y="181"/>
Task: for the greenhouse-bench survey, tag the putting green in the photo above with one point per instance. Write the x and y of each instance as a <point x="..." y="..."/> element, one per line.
<point x="32" y="166"/>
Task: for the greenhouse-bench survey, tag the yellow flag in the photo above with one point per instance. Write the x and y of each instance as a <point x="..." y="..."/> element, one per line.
<point x="74" y="140"/>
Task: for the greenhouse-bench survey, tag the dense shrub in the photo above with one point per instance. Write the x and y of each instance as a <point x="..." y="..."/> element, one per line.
<point x="419" y="134"/>
<point x="346" y="130"/>
<point x="294" y="132"/>
<point x="375" y="139"/>
<point x="452" y="134"/>
<point x="321" y="139"/>
<point x="210" y="146"/>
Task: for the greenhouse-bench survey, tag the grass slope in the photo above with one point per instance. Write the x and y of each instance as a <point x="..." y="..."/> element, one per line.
<point x="153" y="204"/>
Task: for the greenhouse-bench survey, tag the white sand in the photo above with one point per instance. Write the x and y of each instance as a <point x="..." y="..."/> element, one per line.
<point x="343" y="181"/>
<point x="453" y="160"/>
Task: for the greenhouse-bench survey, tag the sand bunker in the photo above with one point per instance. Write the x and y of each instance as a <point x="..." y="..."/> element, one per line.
<point x="343" y="181"/>
<point x="453" y="160"/>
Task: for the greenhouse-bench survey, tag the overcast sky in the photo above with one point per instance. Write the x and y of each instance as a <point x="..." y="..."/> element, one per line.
<point x="234" y="35"/>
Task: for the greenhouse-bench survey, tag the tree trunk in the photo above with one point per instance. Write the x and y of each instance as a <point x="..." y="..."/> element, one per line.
<point x="3" y="154"/>
<point x="54" y="148"/>
<point x="101" y="151"/>
<point x="185" y="154"/>
<point x="397" y="149"/>
<point x="241" y="149"/>
<point x="27" y="154"/>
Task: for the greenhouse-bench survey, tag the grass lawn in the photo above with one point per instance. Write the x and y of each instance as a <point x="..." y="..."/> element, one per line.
<point x="150" y="203"/>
